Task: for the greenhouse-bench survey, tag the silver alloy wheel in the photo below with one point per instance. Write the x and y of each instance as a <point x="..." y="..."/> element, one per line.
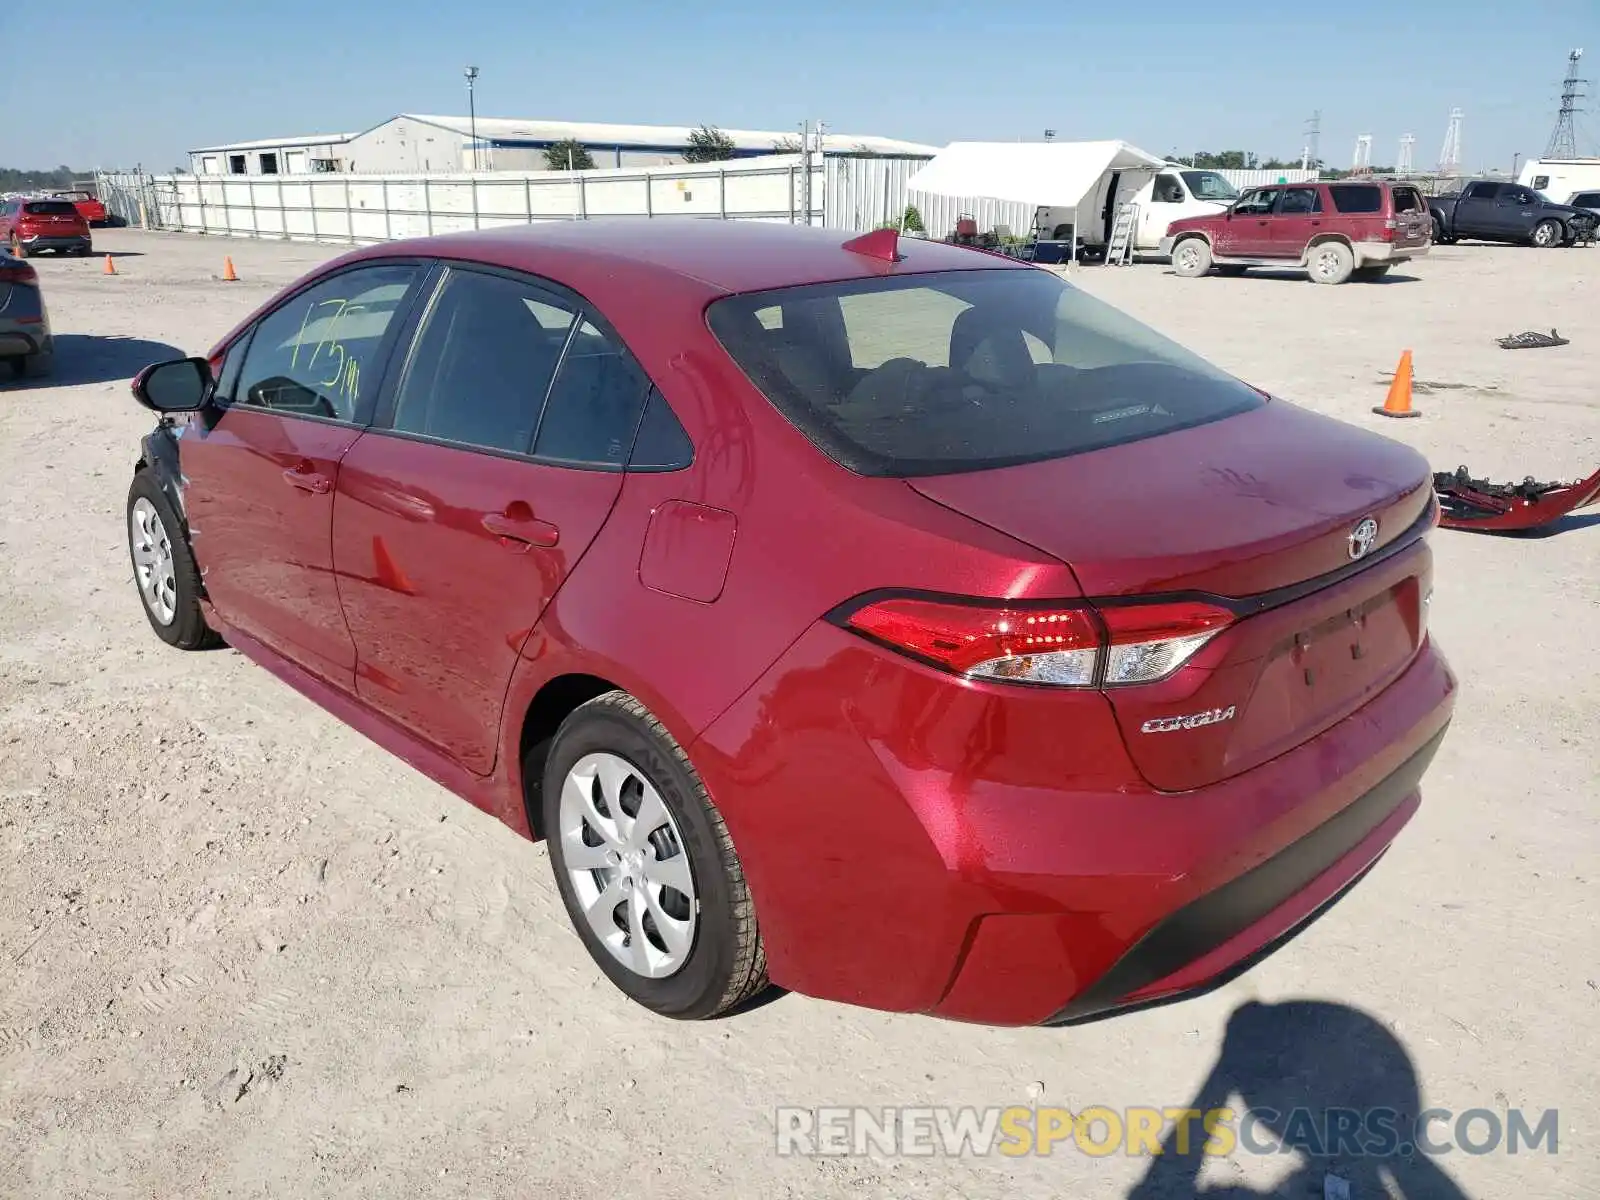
<point x="1327" y="264"/>
<point x="629" y="871"/>
<point x="1546" y="234"/>
<point x="152" y="561"/>
<point x="1188" y="256"/>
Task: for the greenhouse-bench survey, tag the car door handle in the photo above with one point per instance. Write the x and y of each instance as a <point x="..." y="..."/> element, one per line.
<point x="307" y="479"/>
<point x="519" y="527"/>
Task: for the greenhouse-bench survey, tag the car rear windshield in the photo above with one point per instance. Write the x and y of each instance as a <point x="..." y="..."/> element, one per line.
<point x="1407" y="199"/>
<point x="50" y="208"/>
<point x="1357" y="197"/>
<point x="965" y="370"/>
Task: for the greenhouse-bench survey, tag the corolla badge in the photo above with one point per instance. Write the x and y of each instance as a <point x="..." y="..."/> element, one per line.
<point x="1363" y="538"/>
<point x="1192" y="721"/>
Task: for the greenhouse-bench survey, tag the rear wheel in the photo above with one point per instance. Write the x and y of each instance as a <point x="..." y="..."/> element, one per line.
<point x="645" y="865"/>
<point x="1191" y="258"/>
<point x="163" y="568"/>
<point x="34" y="366"/>
<point x="1547" y="234"/>
<point x="1330" y="262"/>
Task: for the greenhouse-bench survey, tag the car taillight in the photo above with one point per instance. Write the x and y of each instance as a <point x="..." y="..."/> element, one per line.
<point x="1067" y="645"/>
<point x="18" y="272"/>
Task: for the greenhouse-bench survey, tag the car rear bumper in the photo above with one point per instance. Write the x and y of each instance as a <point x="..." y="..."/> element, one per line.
<point x="906" y="850"/>
<point x="1387" y="252"/>
<point x="72" y="242"/>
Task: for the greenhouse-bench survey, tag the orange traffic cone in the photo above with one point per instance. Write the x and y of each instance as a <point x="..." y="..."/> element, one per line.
<point x="111" y="267"/>
<point x="228" y="273"/>
<point x="1398" y="403"/>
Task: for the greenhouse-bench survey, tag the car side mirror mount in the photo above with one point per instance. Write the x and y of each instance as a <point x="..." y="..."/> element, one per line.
<point x="182" y="385"/>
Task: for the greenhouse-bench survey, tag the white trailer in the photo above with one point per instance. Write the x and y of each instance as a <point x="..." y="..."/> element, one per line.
<point x="1559" y="179"/>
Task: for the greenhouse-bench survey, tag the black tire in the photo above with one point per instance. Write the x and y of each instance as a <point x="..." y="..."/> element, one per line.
<point x="34" y="366"/>
<point x="726" y="964"/>
<point x="1191" y="257"/>
<point x="1368" y="274"/>
<point x="187" y="630"/>
<point x="1548" y="234"/>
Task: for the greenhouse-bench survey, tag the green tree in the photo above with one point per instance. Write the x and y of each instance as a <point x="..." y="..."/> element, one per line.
<point x="708" y="144"/>
<point x="568" y="155"/>
<point x="788" y="144"/>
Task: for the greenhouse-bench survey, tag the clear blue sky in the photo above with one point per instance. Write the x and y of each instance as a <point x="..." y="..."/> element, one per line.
<point x="142" y="81"/>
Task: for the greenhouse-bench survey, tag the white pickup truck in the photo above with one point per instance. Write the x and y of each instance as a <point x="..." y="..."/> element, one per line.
<point x="1164" y="196"/>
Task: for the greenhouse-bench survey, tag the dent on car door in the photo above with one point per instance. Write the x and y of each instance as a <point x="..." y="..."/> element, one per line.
<point x="261" y="462"/>
<point x="494" y="462"/>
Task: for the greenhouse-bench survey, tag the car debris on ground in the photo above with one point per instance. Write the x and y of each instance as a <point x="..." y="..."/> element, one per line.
<point x="1468" y="503"/>
<point x="1532" y="341"/>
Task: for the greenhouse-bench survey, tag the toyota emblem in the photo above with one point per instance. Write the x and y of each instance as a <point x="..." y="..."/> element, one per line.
<point x="1363" y="538"/>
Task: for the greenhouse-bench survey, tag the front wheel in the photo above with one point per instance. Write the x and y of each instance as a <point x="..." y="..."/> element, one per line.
<point x="1547" y="234"/>
<point x="163" y="568"/>
<point x="645" y="864"/>
<point x="1331" y="262"/>
<point x="1191" y="258"/>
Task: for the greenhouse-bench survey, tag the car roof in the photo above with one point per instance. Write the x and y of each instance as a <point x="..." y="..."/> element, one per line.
<point x="714" y="256"/>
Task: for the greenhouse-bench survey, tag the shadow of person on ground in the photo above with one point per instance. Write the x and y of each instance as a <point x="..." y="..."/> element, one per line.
<point x="1321" y="1079"/>
<point x="84" y="358"/>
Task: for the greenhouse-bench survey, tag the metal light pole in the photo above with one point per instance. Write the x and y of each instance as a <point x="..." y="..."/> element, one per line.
<point x="472" y="112"/>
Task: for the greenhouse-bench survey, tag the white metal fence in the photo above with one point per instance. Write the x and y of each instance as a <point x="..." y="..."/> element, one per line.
<point x="843" y="193"/>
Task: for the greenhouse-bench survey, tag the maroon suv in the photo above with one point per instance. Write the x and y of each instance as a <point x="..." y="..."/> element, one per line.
<point x="1332" y="231"/>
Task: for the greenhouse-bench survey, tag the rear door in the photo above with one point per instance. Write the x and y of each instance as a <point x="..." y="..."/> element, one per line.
<point x="1476" y="212"/>
<point x="1294" y="222"/>
<point x="496" y="460"/>
<point x="1518" y="210"/>
<point x="261" y="464"/>
<point x="1413" y="224"/>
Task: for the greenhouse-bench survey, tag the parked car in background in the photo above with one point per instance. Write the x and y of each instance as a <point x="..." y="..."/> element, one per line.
<point x="86" y="203"/>
<point x="1332" y="231"/>
<point x="1588" y="201"/>
<point x="25" y="342"/>
<point x="620" y="532"/>
<point x="29" y="226"/>
<point x="1487" y="210"/>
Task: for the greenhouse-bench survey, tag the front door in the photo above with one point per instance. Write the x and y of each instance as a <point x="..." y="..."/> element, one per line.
<point x="1295" y="221"/>
<point x="1516" y="211"/>
<point x="454" y="526"/>
<point x="261" y="464"/>
<point x="1247" y="231"/>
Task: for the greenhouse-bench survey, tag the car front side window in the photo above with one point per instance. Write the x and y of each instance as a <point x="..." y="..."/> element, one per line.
<point x="320" y="354"/>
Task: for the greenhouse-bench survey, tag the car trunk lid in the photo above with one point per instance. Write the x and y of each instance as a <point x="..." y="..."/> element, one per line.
<point x="1260" y="509"/>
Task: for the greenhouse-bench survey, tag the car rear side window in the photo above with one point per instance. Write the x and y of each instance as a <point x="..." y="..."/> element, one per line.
<point x="594" y="405"/>
<point x="320" y="354"/>
<point x="661" y="443"/>
<point x="483" y="361"/>
<point x="1357" y="199"/>
<point x="50" y="208"/>
<point x="965" y="370"/>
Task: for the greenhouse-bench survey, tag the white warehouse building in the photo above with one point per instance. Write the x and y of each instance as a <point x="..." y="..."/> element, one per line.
<point x="411" y="143"/>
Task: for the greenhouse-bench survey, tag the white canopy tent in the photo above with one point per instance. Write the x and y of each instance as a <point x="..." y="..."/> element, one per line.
<point x="1044" y="174"/>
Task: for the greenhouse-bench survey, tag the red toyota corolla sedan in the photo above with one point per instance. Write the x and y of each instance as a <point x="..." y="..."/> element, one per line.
<point x="893" y="622"/>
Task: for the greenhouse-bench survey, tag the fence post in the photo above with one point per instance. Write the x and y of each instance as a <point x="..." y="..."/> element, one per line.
<point x="722" y="192"/>
<point x="427" y="204"/>
<point x="349" y="213"/>
<point x="527" y="196"/>
<point x="583" y="196"/>
<point x="649" y="200"/>
<point x="473" y="183"/>
<point x="388" y="217"/>
<point x="283" y="213"/>
<point x="791" y="196"/>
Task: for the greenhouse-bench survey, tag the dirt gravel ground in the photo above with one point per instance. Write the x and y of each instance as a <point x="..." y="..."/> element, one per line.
<point x="244" y="952"/>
